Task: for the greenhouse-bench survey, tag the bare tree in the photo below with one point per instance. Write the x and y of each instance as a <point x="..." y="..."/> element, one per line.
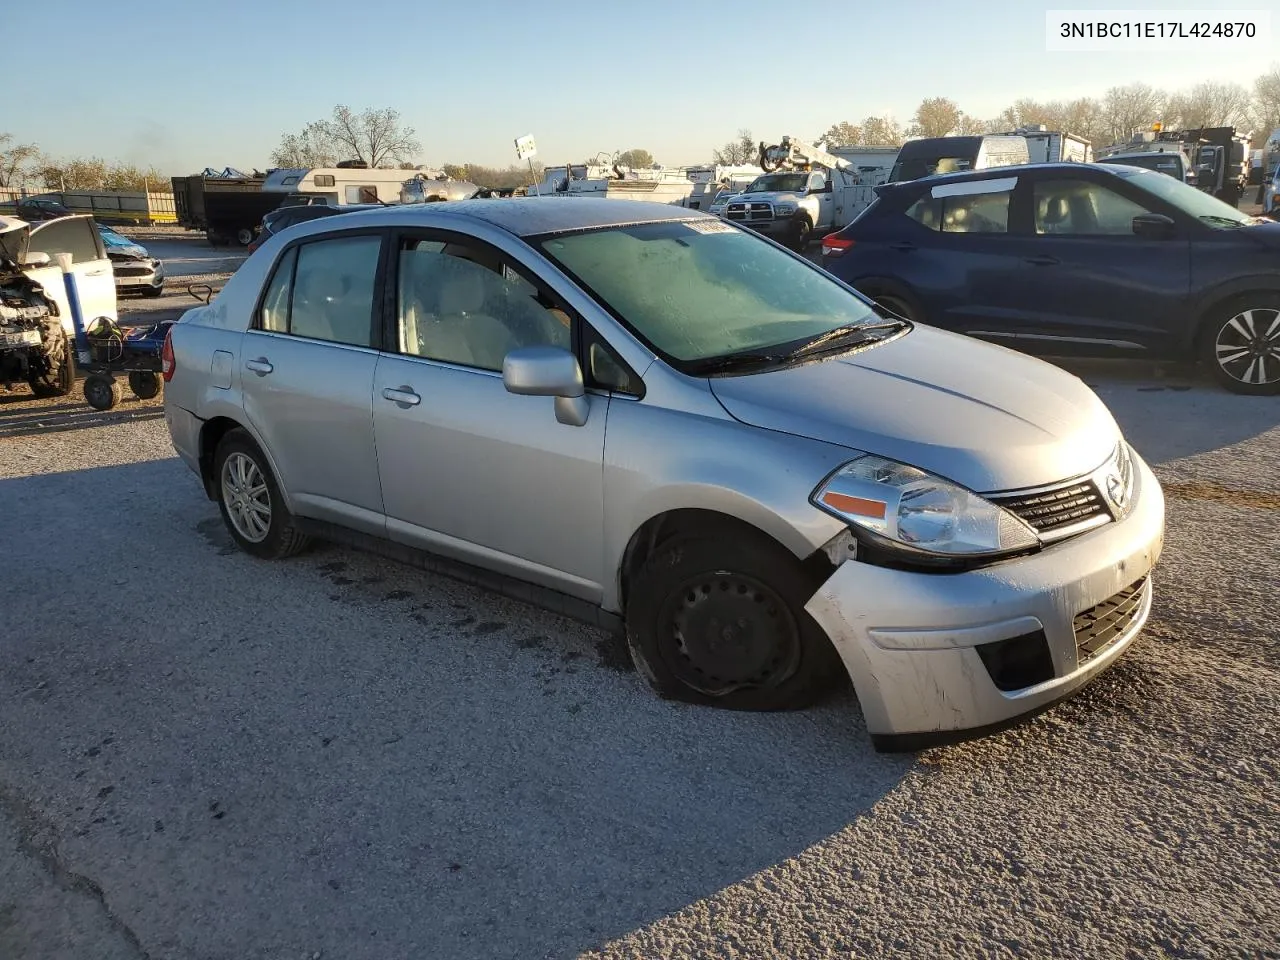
<point x="882" y="131"/>
<point x="1266" y="100"/>
<point x="313" y="147"/>
<point x="737" y="152"/>
<point x="969" y="126"/>
<point x="935" y="117"/>
<point x="1131" y="108"/>
<point x="842" y="134"/>
<point x="17" y="160"/>
<point x="1210" y="104"/>
<point x="374" y="137"/>
<point x="636" y="159"/>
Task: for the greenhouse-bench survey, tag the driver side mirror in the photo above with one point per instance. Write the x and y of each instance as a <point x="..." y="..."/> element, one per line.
<point x="548" y="372"/>
<point x="40" y="259"/>
<point x="1153" y="226"/>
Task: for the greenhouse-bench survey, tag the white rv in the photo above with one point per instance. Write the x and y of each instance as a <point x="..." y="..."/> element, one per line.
<point x="339" y="186"/>
<point x="1053" y="146"/>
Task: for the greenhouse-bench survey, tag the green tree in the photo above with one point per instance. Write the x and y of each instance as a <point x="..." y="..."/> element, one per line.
<point x="842" y="134"/>
<point x="882" y="132"/>
<point x="935" y="117"/>
<point x="636" y="159"/>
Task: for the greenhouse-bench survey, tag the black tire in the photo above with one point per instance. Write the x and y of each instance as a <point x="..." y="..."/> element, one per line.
<point x="102" y="392"/>
<point x="736" y="588"/>
<point x="59" y="380"/>
<point x="151" y="292"/>
<point x="281" y="538"/>
<point x="144" y="384"/>
<point x="244" y="236"/>
<point x="896" y="306"/>
<point x="1240" y="344"/>
<point x="801" y="233"/>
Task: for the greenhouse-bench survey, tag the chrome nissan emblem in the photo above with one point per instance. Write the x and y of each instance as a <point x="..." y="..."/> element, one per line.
<point x="1116" y="490"/>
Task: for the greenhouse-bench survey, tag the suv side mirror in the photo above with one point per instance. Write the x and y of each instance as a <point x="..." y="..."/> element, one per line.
<point x="548" y="372"/>
<point x="1153" y="226"/>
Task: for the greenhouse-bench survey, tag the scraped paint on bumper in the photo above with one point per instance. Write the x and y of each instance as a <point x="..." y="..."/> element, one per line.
<point x="909" y="640"/>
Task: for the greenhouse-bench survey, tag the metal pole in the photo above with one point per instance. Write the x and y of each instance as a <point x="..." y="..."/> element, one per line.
<point x="73" y="299"/>
<point x="534" y="177"/>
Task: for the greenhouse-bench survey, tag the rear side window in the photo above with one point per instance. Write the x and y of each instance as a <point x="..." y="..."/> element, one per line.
<point x="325" y="291"/>
<point x="974" y="213"/>
<point x="76" y="237"/>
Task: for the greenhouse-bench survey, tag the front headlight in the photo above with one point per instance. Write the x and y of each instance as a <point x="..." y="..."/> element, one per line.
<point x="907" y="508"/>
<point x="784" y="209"/>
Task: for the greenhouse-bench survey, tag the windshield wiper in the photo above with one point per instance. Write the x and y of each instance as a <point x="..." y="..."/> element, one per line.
<point x="1214" y="218"/>
<point x="736" y="361"/>
<point x="846" y="336"/>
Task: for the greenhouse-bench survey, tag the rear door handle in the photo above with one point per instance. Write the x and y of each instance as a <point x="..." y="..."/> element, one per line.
<point x="260" y="366"/>
<point x="403" y="395"/>
<point x="1042" y="261"/>
<point x="903" y="245"/>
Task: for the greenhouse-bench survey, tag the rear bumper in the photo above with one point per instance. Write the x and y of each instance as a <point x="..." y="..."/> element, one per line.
<point x="184" y="430"/>
<point x="911" y="641"/>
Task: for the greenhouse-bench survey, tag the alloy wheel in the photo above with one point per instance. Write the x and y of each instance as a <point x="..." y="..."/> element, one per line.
<point x="1247" y="347"/>
<point x="246" y="497"/>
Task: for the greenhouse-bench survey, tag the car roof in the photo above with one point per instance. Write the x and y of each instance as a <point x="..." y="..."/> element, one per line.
<point x="530" y="216"/>
<point x="998" y="173"/>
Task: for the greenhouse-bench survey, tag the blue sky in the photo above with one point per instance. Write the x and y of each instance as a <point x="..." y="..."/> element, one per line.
<point x="184" y="84"/>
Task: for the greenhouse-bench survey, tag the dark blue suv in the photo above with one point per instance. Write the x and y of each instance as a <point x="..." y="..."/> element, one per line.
<point x="1074" y="259"/>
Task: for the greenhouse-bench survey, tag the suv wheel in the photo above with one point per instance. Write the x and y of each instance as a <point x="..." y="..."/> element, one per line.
<point x="803" y="232"/>
<point x="250" y="501"/>
<point x="1241" y="345"/>
<point x="717" y="617"/>
<point x="59" y="376"/>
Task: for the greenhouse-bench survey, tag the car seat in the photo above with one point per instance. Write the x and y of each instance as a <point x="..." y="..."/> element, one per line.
<point x="1057" y="216"/>
<point x="462" y="332"/>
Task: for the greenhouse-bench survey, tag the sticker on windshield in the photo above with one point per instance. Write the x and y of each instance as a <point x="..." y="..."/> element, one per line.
<point x="709" y="225"/>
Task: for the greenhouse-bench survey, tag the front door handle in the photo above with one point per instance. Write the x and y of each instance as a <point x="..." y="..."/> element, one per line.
<point x="260" y="366"/>
<point x="1042" y="261"/>
<point x="402" y="395"/>
<point x="903" y="245"/>
<point x="95" y="273"/>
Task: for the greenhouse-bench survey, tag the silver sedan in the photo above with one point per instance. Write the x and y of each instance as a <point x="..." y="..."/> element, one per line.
<point x="656" y="420"/>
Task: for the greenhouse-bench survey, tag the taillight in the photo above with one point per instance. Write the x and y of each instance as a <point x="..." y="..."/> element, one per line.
<point x="166" y="356"/>
<point x="834" y="245"/>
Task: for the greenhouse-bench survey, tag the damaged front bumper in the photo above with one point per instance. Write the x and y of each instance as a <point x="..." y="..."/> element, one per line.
<point x="939" y="657"/>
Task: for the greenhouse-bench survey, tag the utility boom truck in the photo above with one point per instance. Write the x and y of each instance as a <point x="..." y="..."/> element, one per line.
<point x="803" y="188"/>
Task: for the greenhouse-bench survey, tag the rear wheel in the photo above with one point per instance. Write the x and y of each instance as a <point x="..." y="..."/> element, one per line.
<point x="1241" y="345"/>
<point x="717" y="618"/>
<point x="250" y="501"/>
<point x="58" y="378"/>
<point x="244" y="236"/>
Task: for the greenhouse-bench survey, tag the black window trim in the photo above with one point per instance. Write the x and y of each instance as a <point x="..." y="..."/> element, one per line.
<point x="377" y="306"/>
<point x="578" y="341"/>
<point x="1117" y="183"/>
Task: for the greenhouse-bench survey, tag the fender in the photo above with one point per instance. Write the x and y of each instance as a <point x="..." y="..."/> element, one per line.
<point x="1220" y="293"/>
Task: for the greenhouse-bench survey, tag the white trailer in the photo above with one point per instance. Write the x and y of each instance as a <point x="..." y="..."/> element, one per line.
<point x="1054" y="146"/>
<point x="340" y="186"/>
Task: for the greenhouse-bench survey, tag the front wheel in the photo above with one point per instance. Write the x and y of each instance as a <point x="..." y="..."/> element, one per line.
<point x="244" y="236"/>
<point x="101" y="391"/>
<point x="58" y="376"/>
<point x="1241" y="345"/>
<point x="718" y="618"/>
<point x="250" y="501"/>
<point x="802" y="233"/>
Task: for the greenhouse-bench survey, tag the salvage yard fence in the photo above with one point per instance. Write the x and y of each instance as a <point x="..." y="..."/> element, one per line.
<point x="143" y="208"/>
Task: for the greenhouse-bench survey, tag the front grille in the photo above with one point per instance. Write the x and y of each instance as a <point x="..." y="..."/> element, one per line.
<point x="133" y="271"/>
<point x="749" y="211"/>
<point x="1049" y="511"/>
<point x="1101" y="625"/>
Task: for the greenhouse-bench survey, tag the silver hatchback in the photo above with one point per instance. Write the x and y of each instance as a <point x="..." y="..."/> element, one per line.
<point x="656" y="420"/>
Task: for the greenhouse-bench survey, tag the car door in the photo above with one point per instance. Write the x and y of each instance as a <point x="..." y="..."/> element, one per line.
<point x="95" y="281"/>
<point x="1088" y="283"/>
<point x="959" y="267"/>
<point x="306" y="374"/>
<point x="821" y="187"/>
<point x="469" y="470"/>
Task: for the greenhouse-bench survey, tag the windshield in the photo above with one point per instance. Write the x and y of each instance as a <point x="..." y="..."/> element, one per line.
<point x="918" y="167"/>
<point x="1196" y="203"/>
<point x="698" y="289"/>
<point x="778" y="183"/>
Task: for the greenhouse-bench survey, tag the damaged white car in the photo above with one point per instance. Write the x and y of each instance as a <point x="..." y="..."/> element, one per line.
<point x="652" y="418"/>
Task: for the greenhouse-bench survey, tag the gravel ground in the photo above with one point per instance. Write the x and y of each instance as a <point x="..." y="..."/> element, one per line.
<point x="207" y="756"/>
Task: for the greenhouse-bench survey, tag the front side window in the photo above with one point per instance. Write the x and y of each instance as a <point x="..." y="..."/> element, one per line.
<point x="1083" y="209"/>
<point x="1205" y="207"/>
<point x="462" y="304"/>
<point x="700" y="289"/>
<point x="324" y="290"/>
<point x="76" y="237"/>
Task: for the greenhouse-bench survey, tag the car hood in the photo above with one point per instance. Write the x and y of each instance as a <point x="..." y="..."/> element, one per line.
<point x="131" y="252"/>
<point x="14" y="236"/>
<point x="972" y="412"/>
